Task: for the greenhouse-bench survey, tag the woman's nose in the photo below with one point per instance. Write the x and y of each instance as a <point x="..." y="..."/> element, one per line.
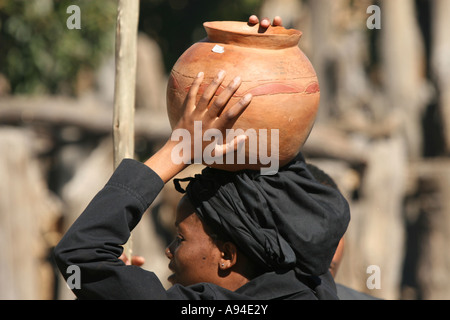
<point x="168" y="251"/>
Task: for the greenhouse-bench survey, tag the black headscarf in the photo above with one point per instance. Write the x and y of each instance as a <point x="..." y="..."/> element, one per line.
<point x="281" y="222"/>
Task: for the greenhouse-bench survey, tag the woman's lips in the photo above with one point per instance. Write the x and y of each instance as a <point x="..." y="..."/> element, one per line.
<point x="171" y="278"/>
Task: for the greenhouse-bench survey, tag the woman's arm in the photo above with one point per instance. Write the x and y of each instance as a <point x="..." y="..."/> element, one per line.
<point x="88" y="254"/>
<point x="93" y="244"/>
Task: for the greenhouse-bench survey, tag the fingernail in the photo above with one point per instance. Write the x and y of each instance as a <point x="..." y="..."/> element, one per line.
<point x="236" y="80"/>
<point x="247" y="97"/>
<point x="221" y="74"/>
<point x="200" y="74"/>
<point x="241" y="142"/>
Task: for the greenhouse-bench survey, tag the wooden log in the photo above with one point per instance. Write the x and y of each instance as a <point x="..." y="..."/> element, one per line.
<point x="341" y="147"/>
<point x="88" y="114"/>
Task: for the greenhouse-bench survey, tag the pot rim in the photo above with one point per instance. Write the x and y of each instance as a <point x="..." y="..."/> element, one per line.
<point x="241" y="33"/>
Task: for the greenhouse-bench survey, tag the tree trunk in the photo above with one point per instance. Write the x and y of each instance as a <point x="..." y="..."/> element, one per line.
<point x="375" y="236"/>
<point x="404" y="68"/>
<point x="28" y="213"/>
<point x="440" y="60"/>
<point x="433" y="178"/>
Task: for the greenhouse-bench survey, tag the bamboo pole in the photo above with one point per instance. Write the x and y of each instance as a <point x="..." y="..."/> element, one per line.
<point x="125" y="84"/>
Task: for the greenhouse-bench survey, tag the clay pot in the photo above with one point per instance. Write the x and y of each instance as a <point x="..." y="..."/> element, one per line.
<point x="272" y="67"/>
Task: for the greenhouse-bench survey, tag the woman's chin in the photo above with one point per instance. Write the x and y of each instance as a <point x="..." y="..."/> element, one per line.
<point x="172" y="278"/>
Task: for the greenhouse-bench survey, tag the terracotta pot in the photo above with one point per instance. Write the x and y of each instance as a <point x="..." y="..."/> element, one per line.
<point x="272" y="67"/>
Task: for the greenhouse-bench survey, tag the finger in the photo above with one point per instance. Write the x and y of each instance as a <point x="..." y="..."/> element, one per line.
<point x="124" y="258"/>
<point x="137" y="260"/>
<point x="208" y="94"/>
<point x="228" y="118"/>
<point x="221" y="101"/>
<point x="193" y="91"/>
<point x="265" y="23"/>
<point x="230" y="147"/>
<point x="253" y="19"/>
<point x="277" y="21"/>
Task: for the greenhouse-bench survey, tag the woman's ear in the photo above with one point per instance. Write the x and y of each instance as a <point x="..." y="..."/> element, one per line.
<point x="228" y="255"/>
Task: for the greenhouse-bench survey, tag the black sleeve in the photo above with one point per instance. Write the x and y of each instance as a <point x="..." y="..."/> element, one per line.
<point x="93" y="242"/>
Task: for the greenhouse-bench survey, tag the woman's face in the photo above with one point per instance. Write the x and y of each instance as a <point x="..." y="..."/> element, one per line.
<point x="194" y="257"/>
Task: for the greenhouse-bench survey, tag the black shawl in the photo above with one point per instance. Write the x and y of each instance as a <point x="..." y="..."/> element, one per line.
<point x="283" y="221"/>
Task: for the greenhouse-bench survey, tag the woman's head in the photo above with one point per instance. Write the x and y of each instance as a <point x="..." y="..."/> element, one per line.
<point x="281" y="222"/>
<point x="198" y="254"/>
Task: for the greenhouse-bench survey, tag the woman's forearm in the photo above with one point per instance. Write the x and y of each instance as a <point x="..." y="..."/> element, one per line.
<point x="161" y="162"/>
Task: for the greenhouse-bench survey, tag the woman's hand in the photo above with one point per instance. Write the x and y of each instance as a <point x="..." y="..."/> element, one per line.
<point x="265" y="22"/>
<point x="135" y="260"/>
<point x="207" y="114"/>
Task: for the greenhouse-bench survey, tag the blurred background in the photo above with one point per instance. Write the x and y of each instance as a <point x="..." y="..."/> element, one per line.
<point x="382" y="131"/>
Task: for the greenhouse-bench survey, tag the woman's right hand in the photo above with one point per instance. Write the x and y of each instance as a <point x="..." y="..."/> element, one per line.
<point x="212" y="112"/>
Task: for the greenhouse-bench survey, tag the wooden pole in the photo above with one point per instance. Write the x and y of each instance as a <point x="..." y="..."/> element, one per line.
<point x="125" y="80"/>
<point x="125" y="85"/>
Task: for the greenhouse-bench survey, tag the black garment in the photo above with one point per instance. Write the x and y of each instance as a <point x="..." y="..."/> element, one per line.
<point x="93" y="243"/>
<point x="282" y="221"/>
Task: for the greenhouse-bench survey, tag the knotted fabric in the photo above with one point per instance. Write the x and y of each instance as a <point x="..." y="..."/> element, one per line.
<point x="281" y="222"/>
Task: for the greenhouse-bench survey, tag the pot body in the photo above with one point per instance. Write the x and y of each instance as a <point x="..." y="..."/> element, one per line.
<point x="273" y="69"/>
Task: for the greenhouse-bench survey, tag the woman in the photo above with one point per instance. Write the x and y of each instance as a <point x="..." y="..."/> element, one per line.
<point x="240" y="235"/>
